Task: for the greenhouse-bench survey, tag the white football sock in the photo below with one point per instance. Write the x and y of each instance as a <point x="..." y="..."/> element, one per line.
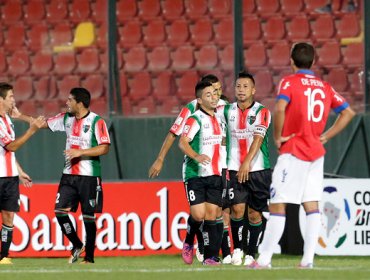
<point x="313" y="226"/>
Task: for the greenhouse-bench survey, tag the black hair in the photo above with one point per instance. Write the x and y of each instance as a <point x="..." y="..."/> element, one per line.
<point x="4" y="88"/>
<point x="200" y="86"/>
<point x="210" y="78"/>
<point x="303" y="55"/>
<point x="81" y="95"/>
<point x="247" y="75"/>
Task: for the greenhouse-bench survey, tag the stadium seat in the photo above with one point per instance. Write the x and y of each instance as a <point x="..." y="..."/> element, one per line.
<point x="135" y="59"/>
<point x="323" y="28"/>
<point x="34" y="11"/>
<point x="23" y="88"/>
<point x="274" y="29"/>
<point x="173" y="9"/>
<point x="45" y="88"/>
<point x="80" y="11"/>
<point x="185" y="86"/>
<point x="255" y="56"/>
<point x="145" y="107"/>
<point x="19" y="62"/>
<point x="162" y="86"/>
<point x="201" y="32"/>
<point x="264" y="84"/>
<point x="196" y="9"/>
<point x="267" y="8"/>
<point x="182" y="58"/>
<point x="52" y="107"/>
<point x="154" y="33"/>
<point x="15" y="37"/>
<point x="95" y="84"/>
<point x="99" y="106"/>
<point x="249" y="7"/>
<point x="41" y="63"/>
<point x="140" y="86"/>
<point x="126" y="10"/>
<point x="100" y="11"/>
<point x="298" y="29"/>
<point x="102" y="36"/>
<point x="311" y="5"/>
<point x="178" y="33"/>
<point x="11" y="12"/>
<point x="65" y="85"/>
<point x="149" y="9"/>
<point x="338" y="78"/>
<point x="291" y="8"/>
<point x="357" y="80"/>
<point x="3" y="63"/>
<point x="103" y="57"/>
<point x="224" y="32"/>
<point x="279" y="56"/>
<point x="220" y="8"/>
<point x="126" y="107"/>
<point x="130" y="34"/>
<point x="329" y="54"/>
<point x="28" y="107"/>
<point x="226" y="57"/>
<point x="348" y="26"/>
<point x="159" y="59"/>
<point x="252" y="30"/>
<point x="123" y="84"/>
<point x="57" y="11"/>
<point x="61" y="34"/>
<point x="38" y="37"/>
<point x="170" y="106"/>
<point x="206" y="58"/>
<point x="353" y="55"/>
<point x="64" y="63"/>
<point x="88" y="60"/>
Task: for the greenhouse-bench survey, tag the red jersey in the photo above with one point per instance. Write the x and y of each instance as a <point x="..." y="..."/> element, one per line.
<point x="309" y="103"/>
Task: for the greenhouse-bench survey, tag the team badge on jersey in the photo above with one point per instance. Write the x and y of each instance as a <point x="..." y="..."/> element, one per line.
<point x="86" y="128"/>
<point x="251" y="119"/>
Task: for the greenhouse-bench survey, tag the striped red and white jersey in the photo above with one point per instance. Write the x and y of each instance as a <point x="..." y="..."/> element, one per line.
<point x="7" y="158"/>
<point x="205" y="134"/>
<point x="85" y="133"/>
<point x="242" y="126"/>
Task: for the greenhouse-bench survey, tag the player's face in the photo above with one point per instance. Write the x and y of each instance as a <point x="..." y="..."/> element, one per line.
<point x="218" y="88"/>
<point x="244" y="89"/>
<point x="9" y="101"/>
<point x="71" y="104"/>
<point x="209" y="98"/>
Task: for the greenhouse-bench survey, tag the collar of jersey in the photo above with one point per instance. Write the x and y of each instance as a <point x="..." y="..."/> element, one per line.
<point x="305" y="71"/>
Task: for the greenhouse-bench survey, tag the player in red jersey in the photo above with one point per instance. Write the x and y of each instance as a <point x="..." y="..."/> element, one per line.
<point x="301" y="112"/>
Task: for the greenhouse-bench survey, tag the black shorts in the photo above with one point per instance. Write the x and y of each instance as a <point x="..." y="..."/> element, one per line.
<point x="204" y="189"/>
<point x="9" y="194"/>
<point x="225" y="189"/>
<point x="255" y="192"/>
<point x="75" y="189"/>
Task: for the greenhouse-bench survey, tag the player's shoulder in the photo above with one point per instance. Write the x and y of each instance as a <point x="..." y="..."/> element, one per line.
<point x="191" y="106"/>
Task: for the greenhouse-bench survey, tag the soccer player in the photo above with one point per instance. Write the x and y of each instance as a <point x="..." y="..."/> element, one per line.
<point x="10" y="171"/>
<point x="202" y="168"/>
<point x="248" y="164"/>
<point x="87" y="139"/>
<point x="301" y="112"/>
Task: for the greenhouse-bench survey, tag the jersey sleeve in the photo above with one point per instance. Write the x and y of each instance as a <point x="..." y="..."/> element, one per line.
<point x="178" y="126"/>
<point x="338" y="103"/>
<point x="191" y="128"/>
<point x="284" y="90"/>
<point x="5" y="138"/>
<point x="101" y="132"/>
<point x="57" y="123"/>
<point x="263" y="122"/>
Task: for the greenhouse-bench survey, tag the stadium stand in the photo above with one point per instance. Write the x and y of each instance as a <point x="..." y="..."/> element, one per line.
<point x="12" y="12"/>
<point x="34" y="11"/>
<point x="154" y="33"/>
<point x="41" y="63"/>
<point x="126" y="10"/>
<point x="177" y="33"/>
<point x="57" y="11"/>
<point x="159" y="59"/>
<point x="79" y="11"/>
<point x="220" y="8"/>
<point x="196" y="9"/>
<point x="172" y="9"/>
<point x="18" y="62"/>
<point x="206" y="57"/>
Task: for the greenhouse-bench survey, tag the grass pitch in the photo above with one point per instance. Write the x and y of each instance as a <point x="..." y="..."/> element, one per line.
<point x="172" y="267"/>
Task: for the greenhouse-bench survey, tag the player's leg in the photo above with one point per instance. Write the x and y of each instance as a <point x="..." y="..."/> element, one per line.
<point x="226" y="242"/>
<point x="6" y="235"/>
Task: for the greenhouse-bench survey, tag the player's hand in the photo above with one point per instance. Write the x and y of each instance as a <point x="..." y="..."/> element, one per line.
<point x="324" y="139"/>
<point x="281" y="140"/>
<point x="156" y="168"/>
<point x="14" y="113"/>
<point x="203" y="159"/>
<point x="243" y="173"/>
<point x="38" y="123"/>
<point x="72" y="153"/>
<point x="25" y="179"/>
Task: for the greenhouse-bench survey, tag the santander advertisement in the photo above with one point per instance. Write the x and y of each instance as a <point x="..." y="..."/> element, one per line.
<point x="139" y="218"/>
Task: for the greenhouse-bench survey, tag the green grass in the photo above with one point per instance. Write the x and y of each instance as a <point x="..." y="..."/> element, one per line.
<point x="172" y="267"/>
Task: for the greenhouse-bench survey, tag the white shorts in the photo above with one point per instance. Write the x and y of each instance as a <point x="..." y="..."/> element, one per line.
<point x="297" y="181"/>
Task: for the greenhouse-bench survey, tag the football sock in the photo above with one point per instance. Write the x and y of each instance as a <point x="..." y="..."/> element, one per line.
<point x="6" y="240"/>
<point x="90" y="227"/>
<point x="225" y="247"/>
<point x="237" y="232"/>
<point x="220" y="229"/>
<point x="67" y="228"/>
<point x="210" y="239"/>
<point x="274" y="231"/>
<point x="311" y="235"/>
<point x="255" y="231"/>
<point x="193" y="227"/>
<point x="199" y="235"/>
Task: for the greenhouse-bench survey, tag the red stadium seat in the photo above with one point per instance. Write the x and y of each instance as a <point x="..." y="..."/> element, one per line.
<point x="42" y="63"/>
<point x="249" y="7"/>
<point x="103" y="57"/>
<point x="226" y="56"/>
<point x="178" y="33"/>
<point x="220" y="8"/>
<point x="353" y="55"/>
<point x="123" y="84"/>
<point x="149" y="9"/>
<point x="279" y="56"/>
<point x="338" y="78"/>
<point x="61" y="34"/>
<point x="348" y="26"/>
<point x="252" y="30"/>
<point x="88" y="60"/>
<point x="23" y="88"/>
<point x="135" y="59"/>
<point x="224" y="32"/>
<point x="45" y="88"/>
<point x="145" y="107"/>
<point x="323" y="28"/>
<point x="38" y="37"/>
<point x="126" y="10"/>
<point x="170" y="106"/>
<point x="15" y="37"/>
<point x="201" y="32"/>
<point x="94" y="83"/>
<point x="57" y="11"/>
<point x="127" y="107"/>
<point x="298" y="29"/>
<point x="311" y="5"/>
<point x="196" y="9"/>
<point x="28" y="107"/>
<point x="183" y="58"/>
<point x="185" y="86"/>
<point x="64" y="63"/>
<point x="80" y="11"/>
<point x="291" y="8"/>
<point x="34" y="11"/>
<point x="3" y="63"/>
<point x="140" y="86"/>
<point x="65" y="85"/>
<point x="264" y="84"/>
<point x="267" y="8"/>
<point x="100" y="11"/>
<point x="159" y="59"/>
<point x="52" y="107"/>
<point x="154" y="33"/>
<point x="162" y="86"/>
<point x="19" y="62"/>
<point x="255" y="56"/>
<point x="11" y="12"/>
<point x="274" y="29"/>
<point x="102" y="36"/>
<point x="173" y="9"/>
<point x="329" y="54"/>
<point x="357" y="80"/>
<point x="99" y="106"/>
<point x="206" y="57"/>
<point x="130" y="34"/>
